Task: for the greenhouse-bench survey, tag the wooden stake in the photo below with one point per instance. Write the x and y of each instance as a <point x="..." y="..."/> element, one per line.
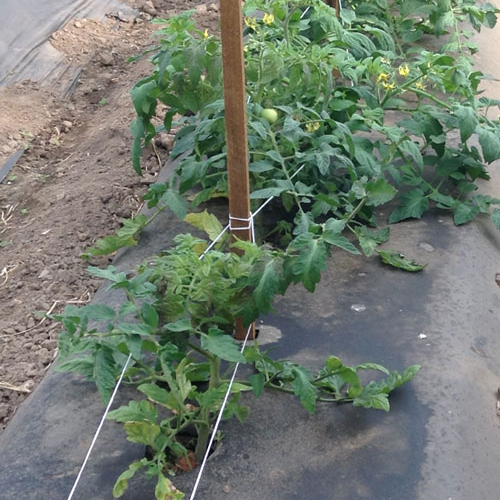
<point x="236" y="132"/>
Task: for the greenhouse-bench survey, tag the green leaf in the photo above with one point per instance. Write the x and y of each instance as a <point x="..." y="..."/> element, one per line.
<point x="134" y="328"/>
<point x="173" y="200"/>
<point x="267" y="288"/>
<point x="181" y="325"/>
<point x="408" y="375"/>
<point x="136" y="155"/>
<point x="206" y="222"/>
<point x="368" y="240"/>
<point x="413" y="205"/>
<point x="495" y="217"/>
<point x="122" y="482"/>
<point x="467" y="121"/>
<point x="149" y="315"/>
<point x="379" y="192"/>
<point x="83" y="365"/>
<point x="340" y="241"/>
<point x="490" y="144"/>
<point x="411" y="149"/>
<point x="99" y="312"/>
<point x="398" y="260"/>
<point x="258" y="381"/>
<point x="156" y="393"/>
<point x="104" y="372"/>
<point x="134" y="412"/>
<point x="377" y="401"/>
<point x="126" y="236"/>
<point x="222" y="345"/>
<point x="464" y="213"/>
<point x="259" y="128"/>
<point x="304" y="388"/>
<point x="307" y="266"/>
<point x="270" y="191"/>
<point x="333" y="363"/>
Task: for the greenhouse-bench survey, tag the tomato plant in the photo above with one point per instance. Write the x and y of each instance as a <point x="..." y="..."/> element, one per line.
<point x="176" y="326"/>
<point x="368" y="115"/>
<point x="344" y="116"/>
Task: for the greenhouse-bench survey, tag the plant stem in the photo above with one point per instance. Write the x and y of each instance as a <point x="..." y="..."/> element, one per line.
<point x="355" y="212"/>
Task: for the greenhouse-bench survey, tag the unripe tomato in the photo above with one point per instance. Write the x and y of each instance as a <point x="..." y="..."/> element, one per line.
<point x="269" y="114"/>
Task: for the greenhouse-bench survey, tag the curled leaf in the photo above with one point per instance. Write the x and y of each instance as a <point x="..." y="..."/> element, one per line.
<point x="398" y="260"/>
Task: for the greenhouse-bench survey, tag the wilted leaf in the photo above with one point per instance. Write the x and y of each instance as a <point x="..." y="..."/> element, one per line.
<point x="398" y="260"/>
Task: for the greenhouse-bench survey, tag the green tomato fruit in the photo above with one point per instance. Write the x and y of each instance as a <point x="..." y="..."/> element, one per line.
<point x="269" y="114"/>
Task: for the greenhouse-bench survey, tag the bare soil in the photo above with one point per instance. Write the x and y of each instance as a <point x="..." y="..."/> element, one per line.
<point x="73" y="184"/>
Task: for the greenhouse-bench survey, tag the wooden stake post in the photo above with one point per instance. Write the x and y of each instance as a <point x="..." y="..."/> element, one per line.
<point x="236" y="132"/>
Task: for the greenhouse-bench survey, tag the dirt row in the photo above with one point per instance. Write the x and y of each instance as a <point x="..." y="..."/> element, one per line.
<point x="73" y="184"/>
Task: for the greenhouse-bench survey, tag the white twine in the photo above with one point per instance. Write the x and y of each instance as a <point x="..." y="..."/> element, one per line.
<point x="96" y="435"/>
<point x="251" y="226"/>
<point x="219" y="418"/>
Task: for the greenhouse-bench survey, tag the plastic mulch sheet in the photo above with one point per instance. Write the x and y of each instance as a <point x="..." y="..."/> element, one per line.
<point x="25" y="28"/>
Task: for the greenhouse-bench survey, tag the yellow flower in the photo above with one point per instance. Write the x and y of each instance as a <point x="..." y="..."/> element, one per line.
<point x="251" y="22"/>
<point x="382" y="77"/>
<point x="312" y="127"/>
<point x="245" y="48"/>
<point x="205" y="34"/>
<point x="388" y="86"/>
<point x="268" y="19"/>
<point x="420" y="86"/>
<point x="404" y="70"/>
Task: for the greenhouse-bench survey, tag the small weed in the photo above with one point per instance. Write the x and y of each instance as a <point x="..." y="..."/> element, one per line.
<point x="103" y="102"/>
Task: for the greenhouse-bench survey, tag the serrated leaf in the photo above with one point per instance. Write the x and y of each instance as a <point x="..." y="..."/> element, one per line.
<point x="142" y="432"/>
<point x="258" y="380"/>
<point x="490" y="144"/>
<point x="126" y="236"/>
<point x="377" y="401"/>
<point x="379" y="192"/>
<point x="311" y="260"/>
<point x="335" y="226"/>
<point x="223" y="346"/>
<point x="396" y="259"/>
<point x="259" y="128"/>
<point x="181" y="325"/>
<point x="369" y="241"/>
<point x="99" y="312"/>
<point x="411" y="149"/>
<point x="373" y="366"/>
<point x="467" y="121"/>
<point x="465" y="213"/>
<point x="134" y="412"/>
<point x="83" y="365"/>
<point x="413" y="205"/>
<point x="155" y="393"/>
<point x="333" y="363"/>
<point x="304" y="388"/>
<point x="149" y="315"/>
<point x="267" y="288"/>
<point x="340" y="241"/>
<point x="134" y="328"/>
<point x="206" y="222"/>
<point x="173" y="200"/>
<point x="165" y="490"/>
<point x="122" y="482"/>
<point x="269" y="192"/>
<point x="104" y="372"/>
<point x="495" y="217"/>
